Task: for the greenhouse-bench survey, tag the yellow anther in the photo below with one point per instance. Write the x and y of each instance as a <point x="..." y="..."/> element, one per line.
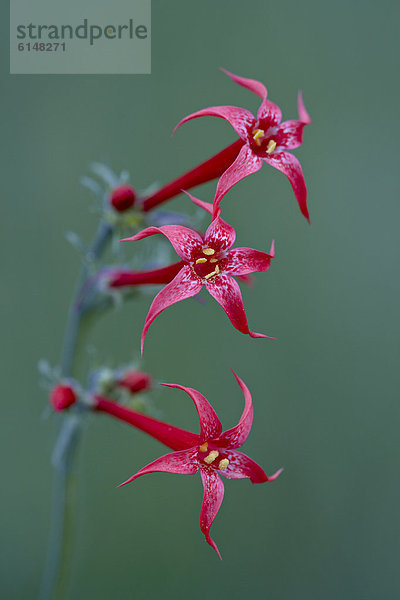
<point x="213" y="260"/>
<point x="223" y="463"/>
<point x="213" y="273"/>
<point x="258" y="135"/>
<point x="271" y="146"/>
<point x="216" y="269"/>
<point x="211" y="457"/>
<point x="208" y="251"/>
<point x="200" y="260"/>
<point x="204" y="447"/>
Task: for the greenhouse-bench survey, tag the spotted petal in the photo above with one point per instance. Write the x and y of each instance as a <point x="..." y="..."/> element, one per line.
<point x="269" y="113"/>
<point x="241" y="119"/>
<point x="290" y="166"/>
<point x="220" y="235"/>
<point x="207" y="206"/>
<point x="250" y="84"/>
<point x="209" y="422"/>
<point x="241" y="261"/>
<point x="236" y="437"/>
<point x="289" y="135"/>
<point x="183" y="239"/>
<point x="183" y="462"/>
<point x="301" y="109"/>
<point x="183" y="286"/>
<point x="226" y="292"/>
<point x="242" y="466"/>
<point x="245" y="164"/>
<point x="212" y="500"/>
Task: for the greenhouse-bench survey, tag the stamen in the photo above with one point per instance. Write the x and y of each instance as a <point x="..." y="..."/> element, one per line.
<point x="258" y="135"/>
<point x="208" y="251"/>
<point x="204" y="447"/>
<point x="213" y="273"/>
<point x="211" y="457"/>
<point x="200" y="260"/>
<point x="216" y="269"/>
<point x="213" y="260"/>
<point x="223" y="464"/>
<point x="271" y="146"/>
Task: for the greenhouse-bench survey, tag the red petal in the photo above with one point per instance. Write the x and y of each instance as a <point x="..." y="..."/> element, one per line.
<point x="241" y="261"/>
<point x="226" y="292"/>
<point x="184" y="462"/>
<point x="290" y="135"/>
<point x="242" y="466"/>
<point x="124" y="278"/>
<point x="269" y="112"/>
<point x="173" y="437"/>
<point x="183" y="239"/>
<point x="212" y="500"/>
<point x="301" y="109"/>
<point x="245" y="164"/>
<point x="290" y="166"/>
<point x="240" y="118"/>
<point x="183" y="286"/>
<point x="209" y="422"/>
<point x="207" y="206"/>
<point x="251" y="84"/>
<point x="220" y="235"/>
<point x="235" y="437"/>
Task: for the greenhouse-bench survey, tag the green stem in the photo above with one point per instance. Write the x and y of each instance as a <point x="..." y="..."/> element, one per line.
<point x="64" y="457"/>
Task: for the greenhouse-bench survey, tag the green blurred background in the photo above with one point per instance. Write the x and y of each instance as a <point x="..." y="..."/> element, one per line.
<point x="325" y="393"/>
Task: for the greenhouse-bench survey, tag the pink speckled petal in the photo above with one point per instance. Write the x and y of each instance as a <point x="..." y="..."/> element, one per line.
<point x="250" y="84"/>
<point x="236" y="437"/>
<point x="220" y="235"/>
<point x="290" y="135"/>
<point x="242" y="466"/>
<point x="301" y="109"/>
<point x="290" y="166"/>
<point x="241" y="261"/>
<point x="226" y="292"/>
<point x="184" y="462"/>
<point x="245" y="164"/>
<point x="241" y="119"/>
<point x="270" y="113"/>
<point x="212" y="500"/>
<point x="183" y="286"/>
<point x="183" y="239"/>
<point x="209" y="422"/>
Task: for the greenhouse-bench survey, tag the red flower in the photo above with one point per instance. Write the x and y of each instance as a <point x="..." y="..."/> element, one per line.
<point x="208" y="261"/>
<point x="123" y="198"/>
<point x="213" y="452"/>
<point x="265" y="139"/>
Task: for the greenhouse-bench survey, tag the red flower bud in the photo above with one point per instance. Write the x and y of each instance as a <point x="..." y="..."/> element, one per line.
<point x="136" y="381"/>
<point x="62" y="397"/>
<point x="123" y="198"/>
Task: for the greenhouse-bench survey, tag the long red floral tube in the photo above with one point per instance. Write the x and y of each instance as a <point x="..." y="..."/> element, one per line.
<point x="206" y="171"/>
<point x="208" y="260"/>
<point x="213" y="452"/>
<point x="265" y="140"/>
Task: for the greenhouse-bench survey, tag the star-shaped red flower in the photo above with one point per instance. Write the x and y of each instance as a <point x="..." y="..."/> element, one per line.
<point x="213" y="452"/>
<point x="208" y="260"/>
<point x="265" y="139"/>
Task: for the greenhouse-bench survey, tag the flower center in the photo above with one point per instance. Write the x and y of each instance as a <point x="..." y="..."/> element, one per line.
<point x="205" y="265"/>
<point x="260" y="140"/>
<point x="211" y="456"/>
